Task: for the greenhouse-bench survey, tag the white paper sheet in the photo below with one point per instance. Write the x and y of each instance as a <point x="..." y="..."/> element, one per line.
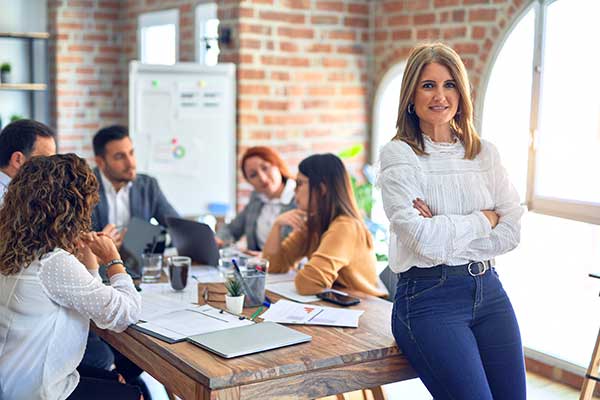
<point x="187" y="295"/>
<point x="288" y="312"/>
<point x="193" y="320"/>
<point x="155" y="305"/>
<point x="287" y="277"/>
<point x="287" y="289"/>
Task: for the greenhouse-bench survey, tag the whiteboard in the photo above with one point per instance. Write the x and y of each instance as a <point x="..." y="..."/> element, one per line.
<point x="182" y="124"/>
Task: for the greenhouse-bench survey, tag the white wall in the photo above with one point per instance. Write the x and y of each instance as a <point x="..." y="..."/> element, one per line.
<point x="23" y="16"/>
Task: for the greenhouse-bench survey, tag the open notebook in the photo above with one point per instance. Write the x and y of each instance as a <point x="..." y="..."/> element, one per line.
<point x="249" y="339"/>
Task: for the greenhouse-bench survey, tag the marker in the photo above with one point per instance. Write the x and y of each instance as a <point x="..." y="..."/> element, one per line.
<point x="266" y="304"/>
<point x="256" y="313"/>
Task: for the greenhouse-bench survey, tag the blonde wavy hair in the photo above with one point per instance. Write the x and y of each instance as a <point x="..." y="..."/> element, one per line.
<point x="407" y="125"/>
<point x="48" y="205"/>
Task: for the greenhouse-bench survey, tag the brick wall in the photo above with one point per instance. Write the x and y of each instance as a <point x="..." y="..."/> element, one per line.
<point x="302" y="76"/>
<point x="474" y="28"/>
<point x="85" y="70"/>
<point x="307" y="69"/>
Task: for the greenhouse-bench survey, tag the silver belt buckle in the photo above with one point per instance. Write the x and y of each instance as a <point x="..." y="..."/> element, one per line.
<point x="481" y="265"/>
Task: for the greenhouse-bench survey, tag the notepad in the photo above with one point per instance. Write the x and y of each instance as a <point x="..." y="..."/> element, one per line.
<point x="249" y="339"/>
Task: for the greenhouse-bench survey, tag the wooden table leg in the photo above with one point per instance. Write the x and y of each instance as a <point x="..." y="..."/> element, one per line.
<point x="587" y="389"/>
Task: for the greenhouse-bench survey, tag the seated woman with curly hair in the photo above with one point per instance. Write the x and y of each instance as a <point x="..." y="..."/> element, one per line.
<point x="49" y="284"/>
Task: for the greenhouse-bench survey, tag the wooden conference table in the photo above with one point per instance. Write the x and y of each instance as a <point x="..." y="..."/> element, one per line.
<point x="337" y="360"/>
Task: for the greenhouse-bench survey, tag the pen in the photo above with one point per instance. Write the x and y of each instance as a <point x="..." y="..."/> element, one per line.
<point x="256" y="313"/>
<point x="268" y="300"/>
<point x="246" y="289"/>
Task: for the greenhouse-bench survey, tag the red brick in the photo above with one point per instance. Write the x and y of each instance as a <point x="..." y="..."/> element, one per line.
<point x="250" y="43"/>
<point x="424" y="19"/>
<point x="309" y="76"/>
<point x="253" y="89"/>
<point x="456" y="32"/>
<point x="458" y="15"/>
<point x="356" y="22"/>
<point x="324" y="20"/>
<point x="80" y="48"/>
<point x="321" y="91"/>
<point x="445" y="3"/>
<point x="358" y="8"/>
<point x="320" y="48"/>
<point x="482" y="15"/>
<point x="358" y="90"/>
<point x="315" y="104"/>
<point x="330" y="6"/>
<point x="251" y="74"/>
<point x="466" y="48"/>
<point x="354" y="49"/>
<point x="429" y="34"/>
<point x="334" y="62"/>
<point x="288" y="47"/>
<point x="478" y="32"/>
<point x="305" y="33"/>
<point x="280" y="76"/>
<point x="289" y="119"/>
<point x="290" y="18"/>
<point x="342" y="35"/>
<point x="291" y="61"/>
<point x="296" y="4"/>
<point x="402" y="35"/>
<point x="399" y="20"/>
<point x="273" y="105"/>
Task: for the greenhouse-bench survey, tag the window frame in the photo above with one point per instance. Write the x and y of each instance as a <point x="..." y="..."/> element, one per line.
<point x="158" y="18"/>
<point x="565" y="208"/>
<point x="203" y="13"/>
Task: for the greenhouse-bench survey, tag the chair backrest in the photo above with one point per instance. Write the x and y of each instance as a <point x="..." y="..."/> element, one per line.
<point x="389" y="279"/>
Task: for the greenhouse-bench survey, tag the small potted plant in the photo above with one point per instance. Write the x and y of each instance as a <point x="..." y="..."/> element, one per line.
<point x="5" y="73"/>
<point x="234" y="300"/>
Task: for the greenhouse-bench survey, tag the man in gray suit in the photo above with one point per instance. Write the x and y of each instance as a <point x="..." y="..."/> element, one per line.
<point x="123" y="192"/>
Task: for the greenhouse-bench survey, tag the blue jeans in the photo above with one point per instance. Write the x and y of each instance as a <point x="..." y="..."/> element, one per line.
<point x="461" y="336"/>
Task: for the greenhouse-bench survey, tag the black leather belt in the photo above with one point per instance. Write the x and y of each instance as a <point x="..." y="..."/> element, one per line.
<point x="474" y="268"/>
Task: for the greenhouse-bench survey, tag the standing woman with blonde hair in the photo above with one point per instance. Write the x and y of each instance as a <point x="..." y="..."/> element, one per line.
<point x="452" y="209"/>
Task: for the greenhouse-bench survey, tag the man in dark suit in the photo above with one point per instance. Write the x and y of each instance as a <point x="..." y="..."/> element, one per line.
<point x="123" y="192"/>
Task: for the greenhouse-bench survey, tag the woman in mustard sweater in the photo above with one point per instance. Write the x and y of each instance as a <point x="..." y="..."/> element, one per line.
<point x="328" y="229"/>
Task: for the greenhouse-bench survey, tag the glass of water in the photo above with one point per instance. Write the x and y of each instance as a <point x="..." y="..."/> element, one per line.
<point x="152" y="264"/>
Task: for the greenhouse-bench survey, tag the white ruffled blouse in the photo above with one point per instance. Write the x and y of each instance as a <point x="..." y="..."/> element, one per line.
<point x="456" y="190"/>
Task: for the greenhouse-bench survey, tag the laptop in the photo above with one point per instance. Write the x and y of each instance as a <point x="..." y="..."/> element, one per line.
<point x="140" y="235"/>
<point x="249" y="339"/>
<point x="195" y="240"/>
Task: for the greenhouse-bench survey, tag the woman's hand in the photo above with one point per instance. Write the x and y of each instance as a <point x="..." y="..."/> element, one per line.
<point x="422" y="208"/>
<point x="102" y="246"/>
<point x="294" y="218"/>
<point x="492" y="216"/>
<point x="117" y="236"/>
<point x="220" y="243"/>
<point x="85" y="255"/>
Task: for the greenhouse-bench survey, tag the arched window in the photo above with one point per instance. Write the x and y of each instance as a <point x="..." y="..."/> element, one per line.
<point x="542" y="110"/>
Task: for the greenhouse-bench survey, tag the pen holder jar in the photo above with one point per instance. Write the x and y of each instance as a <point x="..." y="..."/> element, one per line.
<point x="254" y="287"/>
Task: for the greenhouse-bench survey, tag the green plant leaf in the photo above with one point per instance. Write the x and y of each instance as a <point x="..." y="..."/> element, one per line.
<point x="351" y="152"/>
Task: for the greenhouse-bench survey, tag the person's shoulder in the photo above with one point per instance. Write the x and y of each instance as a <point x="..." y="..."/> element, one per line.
<point x="345" y="224"/>
<point x="145" y="181"/>
<point x="396" y="151"/>
<point x="488" y="150"/>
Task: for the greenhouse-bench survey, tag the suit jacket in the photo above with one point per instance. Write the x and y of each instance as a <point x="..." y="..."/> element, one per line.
<point x="245" y="223"/>
<point x="146" y="200"/>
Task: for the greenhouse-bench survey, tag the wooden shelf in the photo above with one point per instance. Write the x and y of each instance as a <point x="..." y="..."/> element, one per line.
<point x="25" y="35"/>
<point x="23" y="86"/>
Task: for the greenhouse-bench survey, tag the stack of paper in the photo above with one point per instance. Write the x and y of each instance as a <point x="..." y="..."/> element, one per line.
<point x="173" y="321"/>
<point x="288" y="312"/>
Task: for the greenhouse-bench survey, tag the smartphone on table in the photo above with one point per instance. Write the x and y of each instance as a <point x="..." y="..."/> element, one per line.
<point x="339" y="298"/>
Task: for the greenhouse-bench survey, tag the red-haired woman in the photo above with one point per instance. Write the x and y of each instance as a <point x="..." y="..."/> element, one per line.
<point x="273" y="194"/>
<point x="328" y="229"/>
